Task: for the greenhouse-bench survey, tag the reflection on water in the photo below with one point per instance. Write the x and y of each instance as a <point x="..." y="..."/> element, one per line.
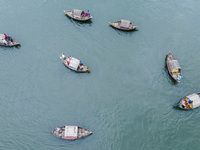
<point x="123" y="32"/>
<point x="10" y="48"/>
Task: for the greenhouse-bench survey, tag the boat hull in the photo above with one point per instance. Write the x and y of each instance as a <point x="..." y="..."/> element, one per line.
<point x="69" y="14"/>
<point x="9" y="42"/>
<point x="117" y="26"/>
<point x="83" y="70"/>
<point x="80" y="133"/>
<point x="186" y="105"/>
<point x="175" y="76"/>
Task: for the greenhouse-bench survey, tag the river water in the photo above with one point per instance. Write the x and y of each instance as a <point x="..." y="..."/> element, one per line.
<point x="126" y="101"/>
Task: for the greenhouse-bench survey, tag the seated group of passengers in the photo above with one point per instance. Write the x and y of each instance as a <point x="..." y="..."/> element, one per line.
<point x="85" y="14"/>
<point x="185" y="103"/>
<point x="80" y="66"/>
<point x="7" y="39"/>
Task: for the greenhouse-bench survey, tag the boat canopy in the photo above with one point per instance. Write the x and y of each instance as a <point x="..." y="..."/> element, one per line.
<point x="77" y="12"/>
<point x="71" y="131"/>
<point x="74" y="63"/>
<point x="174" y="66"/>
<point x="2" y="37"/>
<point x="195" y="100"/>
<point x="125" y="24"/>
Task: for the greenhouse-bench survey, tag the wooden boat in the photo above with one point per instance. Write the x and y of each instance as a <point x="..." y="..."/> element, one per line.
<point x="71" y="132"/>
<point x="79" y="15"/>
<point x="190" y="102"/>
<point x="74" y="64"/>
<point x="173" y="67"/>
<point x="123" y="25"/>
<point x="9" y="41"/>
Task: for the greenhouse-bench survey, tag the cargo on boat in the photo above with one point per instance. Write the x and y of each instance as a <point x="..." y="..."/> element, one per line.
<point x="71" y="132"/>
<point x="173" y="67"/>
<point x="190" y="102"/>
<point x="79" y="15"/>
<point x="74" y="64"/>
<point x="6" y="40"/>
<point x="123" y="25"/>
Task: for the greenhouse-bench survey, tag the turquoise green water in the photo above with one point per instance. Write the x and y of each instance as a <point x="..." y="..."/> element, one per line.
<point x="126" y="101"/>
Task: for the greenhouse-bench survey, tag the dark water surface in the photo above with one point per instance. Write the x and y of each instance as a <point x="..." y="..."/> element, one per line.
<point x="126" y="101"/>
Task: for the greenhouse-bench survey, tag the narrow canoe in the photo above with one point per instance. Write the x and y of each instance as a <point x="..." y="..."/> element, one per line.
<point x="79" y="15"/>
<point x="74" y="64"/>
<point x="173" y="67"/>
<point x="123" y="25"/>
<point x="190" y="101"/>
<point x="7" y="42"/>
<point x="71" y="132"/>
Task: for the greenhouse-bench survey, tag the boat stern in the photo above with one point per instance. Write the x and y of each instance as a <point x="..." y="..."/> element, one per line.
<point x="87" y="133"/>
<point x="180" y="106"/>
<point x="90" y="132"/>
<point x="179" y="78"/>
<point x="88" y="70"/>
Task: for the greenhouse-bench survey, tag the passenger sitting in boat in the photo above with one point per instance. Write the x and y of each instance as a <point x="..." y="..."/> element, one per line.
<point x="88" y="14"/>
<point x="81" y="63"/>
<point x="83" y="14"/>
<point x="6" y="36"/>
<point x="4" y="41"/>
<point x="183" y="104"/>
<point x="81" y="67"/>
<point x="187" y="106"/>
<point x="189" y="101"/>
<point x="68" y="60"/>
<point x="11" y="39"/>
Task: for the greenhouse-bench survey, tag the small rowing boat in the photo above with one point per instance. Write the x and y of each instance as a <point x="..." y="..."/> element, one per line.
<point x="71" y="132"/>
<point x="74" y="64"/>
<point x="190" y="101"/>
<point x="79" y="15"/>
<point x="173" y="67"/>
<point x="7" y="40"/>
<point x="123" y="25"/>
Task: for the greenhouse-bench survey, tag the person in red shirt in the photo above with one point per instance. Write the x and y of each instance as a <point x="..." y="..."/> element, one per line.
<point x="6" y="36"/>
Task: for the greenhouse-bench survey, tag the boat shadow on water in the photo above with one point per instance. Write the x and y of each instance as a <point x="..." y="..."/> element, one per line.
<point x="77" y="71"/>
<point x="10" y="47"/>
<point x="122" y="32"/>
<point x="80" y="23"/>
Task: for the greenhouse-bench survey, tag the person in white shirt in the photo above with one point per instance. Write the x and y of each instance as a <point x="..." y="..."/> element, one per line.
<point x="63" y="56"/>
<point x="4" y="41"/>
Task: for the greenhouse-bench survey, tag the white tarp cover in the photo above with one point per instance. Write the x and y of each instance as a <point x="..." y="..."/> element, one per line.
<point x="2" y="36"/>
<point x="77" y="12"/>
<point x="174" y="65"/>
<point x="125" y="24"/>
<point x="195" y="100"/>
<point x="71" y="131"/>
<point x="74" y="63"/>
